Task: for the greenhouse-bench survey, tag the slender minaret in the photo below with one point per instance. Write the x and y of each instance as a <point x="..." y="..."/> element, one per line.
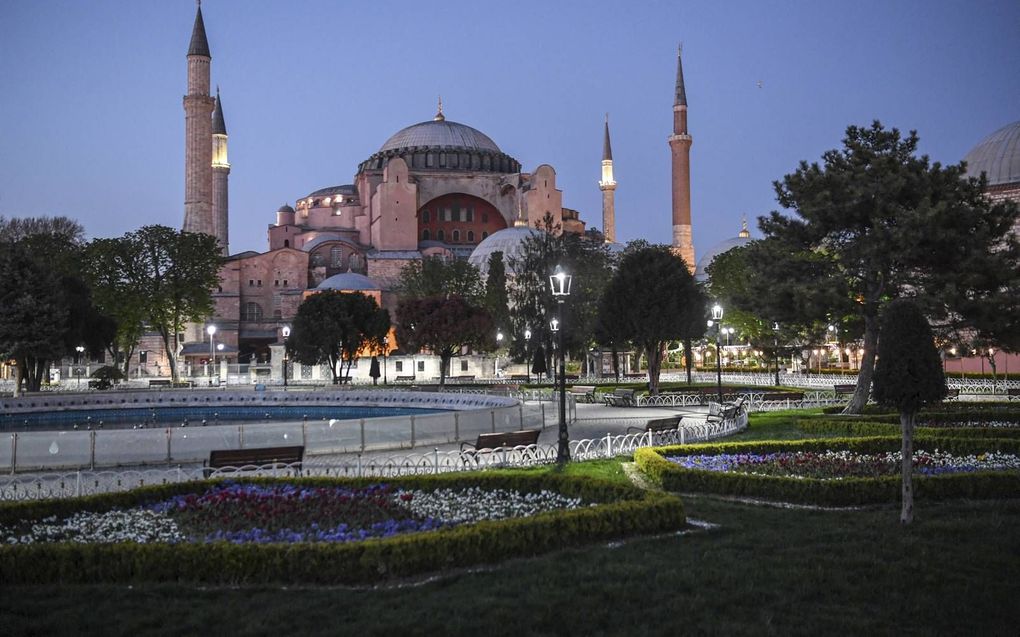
<point x="680" y="145"/>
<point x="220" y="174"/>
<point x="198" y="108"/>
<point x="608" y="187"/>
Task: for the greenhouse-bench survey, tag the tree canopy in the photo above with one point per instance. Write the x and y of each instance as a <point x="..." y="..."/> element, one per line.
<point x="436" y="276"/>
<point x="444" y="326"/>
<point x="334" y="327"/>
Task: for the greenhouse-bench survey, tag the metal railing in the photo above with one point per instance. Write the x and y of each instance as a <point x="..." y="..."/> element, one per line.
<point x="85" y="482"/>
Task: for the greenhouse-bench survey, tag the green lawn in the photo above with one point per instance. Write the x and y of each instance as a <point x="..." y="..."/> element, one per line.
<point x="766" y="570"/>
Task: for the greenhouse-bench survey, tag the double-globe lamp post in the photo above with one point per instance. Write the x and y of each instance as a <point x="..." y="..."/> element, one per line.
<point x="559" y="281"/>
<point x="717" y="314"/>
<point x="77" y="366"/>
<point x="775" y="336"/>
<point x="385" y="351"/>
<point x="212" y="352"/>
<point x="527" y="354"/>
<point x="495" y="362"/>
<point x="286" y="334"/>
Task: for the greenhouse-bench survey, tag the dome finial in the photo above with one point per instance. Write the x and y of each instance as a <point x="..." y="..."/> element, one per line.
<point x="744" y="232"/>
<point x="439" y="113"/>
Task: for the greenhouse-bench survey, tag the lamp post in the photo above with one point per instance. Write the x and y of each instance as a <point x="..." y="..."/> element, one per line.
<point x="77" y="366"/>
<point x="527" y="354"/>
<point x="385" y="350"/>
<point x="834" y="329"/>
<point x="775" y="338"/>
<point x="212" y="348"/>
<point x="559" y="282"/>
<point x="495" y="362"/>
<point x="286" y="335"/>
<point x="717" y="314"/>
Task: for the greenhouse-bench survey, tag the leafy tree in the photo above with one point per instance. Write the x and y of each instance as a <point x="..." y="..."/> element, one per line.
<point x="444" y="326"/>
<point x="875" y="222"/>
<point x="436" y="276"/>
<point x="908" y="376"/>
<point x="169" y="274"/>
<point x="333" y="327"/>
<point x="496" y="300"/>
<point x="649" y="302"/>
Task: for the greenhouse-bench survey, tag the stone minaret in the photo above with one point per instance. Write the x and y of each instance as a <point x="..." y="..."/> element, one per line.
<point x="220" y="174"/>
<point x="198" y="108"/>
<point x="680" y="145"/>
<point x="608" y="187"/>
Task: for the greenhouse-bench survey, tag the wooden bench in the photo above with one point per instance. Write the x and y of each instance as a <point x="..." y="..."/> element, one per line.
<point x="844" y="389"/>
<point x="952" y="393"/>
<point x="669" y="423"/>
<point x="620" y="398"/>
<point x="1013" y="393"/>
<point x="783" y="396"/>
<point x="254" y="458"/>
<point x="584" y="393"/>
<point x="403" y="379"/>
<point x="463" y="379"/>
<point x="506" y="439"/>
<point x="726" y="411"/>
<point x="520" y="378"/>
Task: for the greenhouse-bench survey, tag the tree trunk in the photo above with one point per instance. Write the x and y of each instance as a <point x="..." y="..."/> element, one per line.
<point x="860" y="397"/>
<point x="688" y="362"/>
<point x="907" y="466"/>
<point x="616" y="363"/>
<point x="444" y="361"/>
<point x="171" y="357"/>
<point x="655" y="353"/>
<point x="18" y="377"/>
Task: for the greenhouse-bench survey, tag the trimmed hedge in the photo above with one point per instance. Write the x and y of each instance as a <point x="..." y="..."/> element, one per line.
<point x="845" y="492"/>
<point x="944" y="410"/>
<point x="882" y="428"/>
<point x="625" y="511"/>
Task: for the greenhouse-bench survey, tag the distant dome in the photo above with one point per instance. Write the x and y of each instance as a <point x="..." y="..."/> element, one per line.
<point x="508" y="241"/>
<point x="998" y="156"/>
<point x="285" y="208"/>
<point x="440" y="133"/>
<point x="723" y="246"/>
<point x="348" y="282"/>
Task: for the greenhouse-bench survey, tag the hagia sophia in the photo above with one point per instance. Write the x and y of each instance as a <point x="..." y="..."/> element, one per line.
<point x="434" y="188"/>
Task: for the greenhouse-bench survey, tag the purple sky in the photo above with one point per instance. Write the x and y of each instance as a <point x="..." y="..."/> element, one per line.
<point x="91" y="122"/>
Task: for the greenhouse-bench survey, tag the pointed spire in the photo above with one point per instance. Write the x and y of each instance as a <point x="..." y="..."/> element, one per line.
<point x="439" y="113"/>
<point x="219" y="127"/>
<point x="744" y="232"/>
<point x="681" y="94"/>
<point x="607" y="149"/>
<point x="199" y="43"/>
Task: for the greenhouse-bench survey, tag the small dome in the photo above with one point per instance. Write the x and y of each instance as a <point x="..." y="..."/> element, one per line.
<point x="998" y="156"/>
<point x="348" y="282"/>
<point x="723" y="246"/>
<point x="440" y="132"/>
<point x="508" y="241"/>
<point x="285" y="208"/>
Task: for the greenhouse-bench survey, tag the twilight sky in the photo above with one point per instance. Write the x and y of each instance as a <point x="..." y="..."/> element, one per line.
<point x="92" y="126"/>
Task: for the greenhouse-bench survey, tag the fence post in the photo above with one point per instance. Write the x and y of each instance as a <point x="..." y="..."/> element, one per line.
<point x="304" y="434"/>
<point x="492" y="412"/>
<point x="609" y="446"/>
<point x="682" y="435"/>
<point x="361" y="425"/>
<point x="435" y="459"/>
<point x="542" y="406"/>
<point x="359" y="465"/>
<point x="240" y="436"/>
<point x="456" y="426"/>
<point x="520" y="415"/>
<point x="412" y="432"/>
<point x="14" y="452"/>
<point x="92" y="450"/>
<point x="179" y="477"/>
<point x="169" y="434"/>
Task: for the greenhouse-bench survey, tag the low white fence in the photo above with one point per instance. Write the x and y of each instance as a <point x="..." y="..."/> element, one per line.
<point x="80" y="483"/>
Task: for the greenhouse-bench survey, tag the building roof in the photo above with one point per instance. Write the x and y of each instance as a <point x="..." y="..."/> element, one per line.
<point x="348" y="281"/>
<point x="327" y="237"/>
<point x="508" y="241"/>
<point x="219" y="127"/>
<point x="285" y="208"/>
<point x="998" y="156"/>
<point x="346" y="189"/>
<point x="723" y="246"/>
<point x="199" y="44"/>
<point x="440" y="132"/>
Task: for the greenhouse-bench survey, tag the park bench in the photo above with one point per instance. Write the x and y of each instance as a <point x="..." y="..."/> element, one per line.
<point x="463" y="379"/>
<point x="520" y="378"/>
<point x="1013" y="393"/>
<point x="404" y="379"/>
<point x="620" y="398"/>
<point x="254" y="458"/>
<point x="159" y="382"/>
<point x="844" y="389"/>
<point x="782" y="396"/>
<point x="582" y="393"/>
<point x="727" y="411"/>
<point x="658" y="425"/>
<point x="507" y="439"/>
<point x="953" y="393"/>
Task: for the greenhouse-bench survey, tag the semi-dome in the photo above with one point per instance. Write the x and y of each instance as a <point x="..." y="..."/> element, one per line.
<point x="998" y="156"/>
<point x="509" y="241"/>
<point x="348" y="282"/>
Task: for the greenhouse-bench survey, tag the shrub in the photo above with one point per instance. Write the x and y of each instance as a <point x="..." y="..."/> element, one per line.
<point x="876" y="427"/>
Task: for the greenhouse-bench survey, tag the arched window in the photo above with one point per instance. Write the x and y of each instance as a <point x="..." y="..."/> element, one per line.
<point x="456" y="236"/>
<point x="471" y="236"/>
<point x="286" y="243"/>
<point x="336" y="257"/>
<point x="425" y="234"/>
<point x="424" y="216"/>
<point x="252" y="312"/>
<point x="440" y="236"/>
<point x="485" y="235"/>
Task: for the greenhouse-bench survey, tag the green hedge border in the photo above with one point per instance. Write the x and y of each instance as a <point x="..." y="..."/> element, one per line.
<point x="883" y="428"/>
<point x="624" y="511"/>
<point x="846" y="492"/>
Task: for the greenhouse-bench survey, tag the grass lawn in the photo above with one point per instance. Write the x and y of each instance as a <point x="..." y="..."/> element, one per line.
<point x="956" y="570"/>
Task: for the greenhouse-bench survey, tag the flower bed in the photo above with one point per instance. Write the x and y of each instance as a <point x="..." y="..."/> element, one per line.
<point x="889" y="425"/>
<point x="840" y="471"/>
<point x="318" y="531"/>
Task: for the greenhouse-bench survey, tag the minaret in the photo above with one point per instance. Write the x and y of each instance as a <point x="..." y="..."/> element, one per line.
<point x="198" y="108"/>
<point x="680" y="145"/>
<point x="220" y="174"/>
<point x="608" y="187"/>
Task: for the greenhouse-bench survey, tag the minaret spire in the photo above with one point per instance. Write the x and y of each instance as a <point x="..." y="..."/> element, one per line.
<point x="220" y="175"/>
<point x="608" y="188"/>
<point x="198" y="142"/>
<point x="680" y="149"/>
<point x="199" y="44"/>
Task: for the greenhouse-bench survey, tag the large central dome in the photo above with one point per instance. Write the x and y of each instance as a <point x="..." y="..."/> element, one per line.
<point x="440" y="133"/>
<point x="998" y="156"/>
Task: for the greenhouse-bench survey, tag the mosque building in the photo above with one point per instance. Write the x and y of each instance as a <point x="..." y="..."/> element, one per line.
<point x="435" y="188"/>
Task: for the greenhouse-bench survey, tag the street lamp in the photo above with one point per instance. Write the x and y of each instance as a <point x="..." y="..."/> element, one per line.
<point x="495" y="363"/>
<point x="212" y="348"/>
<point x="286" y="335"/>
<point x="835" y="339"/>
<point x="77" y="366"/>
<point x="559" y="282"/>
<point x="527" y="354"/>
<point x="385" y="350"/>
<point x="717" y="314"/>
<point x="775" y="337"/>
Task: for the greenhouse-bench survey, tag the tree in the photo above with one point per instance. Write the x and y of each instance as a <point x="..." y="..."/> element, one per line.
<point x="444" y="326"/>
<point x="333" y="327"/>
<point x="436" y="276"/>
<point x="495" y="300"/>
<point x="649" y="302"/>
<point x="166" y="275"/>
<point x="907" y="377"/>
<point x="875" y="222"/>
